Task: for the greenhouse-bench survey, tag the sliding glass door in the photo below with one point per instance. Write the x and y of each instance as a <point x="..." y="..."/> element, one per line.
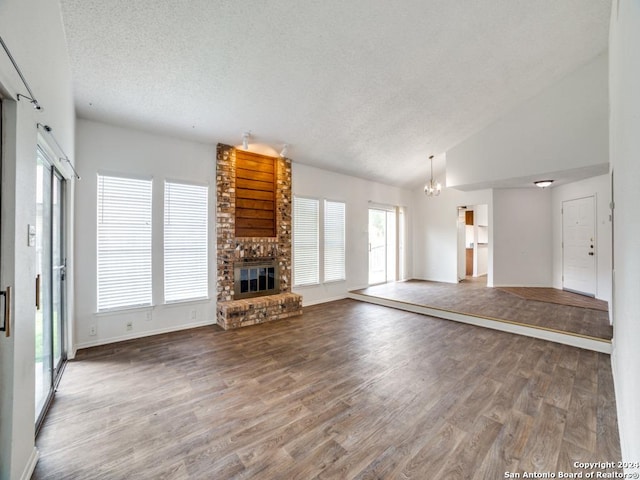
<point x="49" y="282"/>
<point x="382" y="246"/>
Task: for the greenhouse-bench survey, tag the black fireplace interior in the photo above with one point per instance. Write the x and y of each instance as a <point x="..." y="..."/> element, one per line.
<point x="255" y="278"/>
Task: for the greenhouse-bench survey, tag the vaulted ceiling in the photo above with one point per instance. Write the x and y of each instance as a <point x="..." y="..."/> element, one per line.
<point x="368" y="88"/>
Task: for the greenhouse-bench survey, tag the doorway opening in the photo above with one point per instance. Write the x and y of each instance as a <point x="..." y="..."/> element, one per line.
<point x="473" y="243"/>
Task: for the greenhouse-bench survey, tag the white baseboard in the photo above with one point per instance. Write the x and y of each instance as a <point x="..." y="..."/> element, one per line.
<point x="71" y="354"/>
<point x="147" y="333"/>
<point x="323" y="300"/>
<point x="31" y="464"/>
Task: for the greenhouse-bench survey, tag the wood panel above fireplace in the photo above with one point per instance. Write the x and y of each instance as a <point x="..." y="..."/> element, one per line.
<point x="255" y="195"/>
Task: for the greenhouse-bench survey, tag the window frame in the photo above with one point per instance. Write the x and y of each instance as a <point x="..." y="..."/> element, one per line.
<point x="124" y="176"/>
<point x="317" y="281"/>
<point x="321" y="227"/>
<point x="206" y="296"/>
<point x="343" y="241"/>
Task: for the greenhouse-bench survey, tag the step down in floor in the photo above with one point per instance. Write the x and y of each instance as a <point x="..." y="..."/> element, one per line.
<point x="543" y="333"/>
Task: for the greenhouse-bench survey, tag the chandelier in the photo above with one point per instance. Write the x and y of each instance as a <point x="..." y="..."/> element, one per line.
<point x="432" y="187"/>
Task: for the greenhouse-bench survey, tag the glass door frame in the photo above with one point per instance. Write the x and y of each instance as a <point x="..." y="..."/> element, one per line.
<point x="394" y="243"/>
<point x="52" y="284"/>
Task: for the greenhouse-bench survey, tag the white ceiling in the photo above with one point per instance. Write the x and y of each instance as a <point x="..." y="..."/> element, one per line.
<point x="365" y="87"/>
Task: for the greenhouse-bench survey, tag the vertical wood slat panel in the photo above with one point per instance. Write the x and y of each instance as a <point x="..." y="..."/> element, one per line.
<point x="255" y="194"/>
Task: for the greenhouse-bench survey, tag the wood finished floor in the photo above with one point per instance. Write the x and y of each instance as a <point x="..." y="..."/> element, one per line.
<point x="348" y="390"/>
<point x="561" y="297"/>
<point x="473" y="297"/>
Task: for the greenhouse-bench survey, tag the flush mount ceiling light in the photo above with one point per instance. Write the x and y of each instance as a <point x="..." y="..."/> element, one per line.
<point x="285" y="150"/>
<point x="245" y="139"/>
<point x="543" y="183"/>
<point x="432" y="187"/>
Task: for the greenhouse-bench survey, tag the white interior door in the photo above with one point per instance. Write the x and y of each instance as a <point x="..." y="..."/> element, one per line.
<point x="578" y="246"/>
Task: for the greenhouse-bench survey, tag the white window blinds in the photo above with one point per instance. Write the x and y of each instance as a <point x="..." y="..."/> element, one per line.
<point x="306" y="254"/>
<point x="334" y="241"/>
<point x="185" y="242"/>
<point x="124" y="242"/>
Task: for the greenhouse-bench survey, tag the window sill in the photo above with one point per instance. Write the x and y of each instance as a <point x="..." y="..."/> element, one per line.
<point x="121" y="310"/>
<point x="177" y="303"/>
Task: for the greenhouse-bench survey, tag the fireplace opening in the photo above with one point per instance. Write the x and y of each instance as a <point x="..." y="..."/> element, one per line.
<point x="256" y="277"/>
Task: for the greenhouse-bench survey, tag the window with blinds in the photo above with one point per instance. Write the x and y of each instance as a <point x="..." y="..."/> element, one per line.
<point x="334" y="241"/>
<point x="124" y="242"/>
<point x="185" y="242"/>
<point x="316" y="243"/>
<point x="306" y="248"/>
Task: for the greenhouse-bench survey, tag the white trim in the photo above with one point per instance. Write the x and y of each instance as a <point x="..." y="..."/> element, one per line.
<point x="133" y="176"/>
<point x="601" y="346"/>
<point x="381" y="206"/>
<point x="314" y="265"/>
<point x="187" y="182"/>
<point x="148" y="333"/>
<point x="124" y="268"/>
<point x="31" y="464"/>
<point x="323" y="300"/>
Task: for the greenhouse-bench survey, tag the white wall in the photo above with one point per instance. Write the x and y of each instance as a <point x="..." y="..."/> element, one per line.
<point x="356" y="193"/>
<point x="435" y="233"/>
<point x="625" y="152"/>
<point x="521" y="242"/>
<point x="481" y="260"/>
<point x="108" y="149"/>
<point x="33" y="31"/>
<point x="600" y="188"/>
<point x="564" y="127"/>
<point x="480" y="243"/>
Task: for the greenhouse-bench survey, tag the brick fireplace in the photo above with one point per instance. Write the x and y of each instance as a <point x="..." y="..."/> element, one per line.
<point x="256" y="253"/>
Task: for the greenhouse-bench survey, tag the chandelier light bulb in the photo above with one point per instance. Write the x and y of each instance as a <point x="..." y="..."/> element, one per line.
<point x="432" y="188"/>
<point x="245" y="140"/>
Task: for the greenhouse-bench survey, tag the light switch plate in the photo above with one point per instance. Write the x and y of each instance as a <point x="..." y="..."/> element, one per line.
<point x="31" y="235"/>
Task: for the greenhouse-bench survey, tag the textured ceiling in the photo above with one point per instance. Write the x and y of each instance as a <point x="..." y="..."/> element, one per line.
<point x="369" y="88"/>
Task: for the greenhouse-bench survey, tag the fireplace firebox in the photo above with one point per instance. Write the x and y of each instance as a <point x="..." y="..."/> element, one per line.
<point x="255" y="278"/>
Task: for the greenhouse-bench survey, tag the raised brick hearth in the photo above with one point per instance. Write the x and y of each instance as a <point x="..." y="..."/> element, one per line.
<point x="232" y="313"/>
<point x="249" y="311"/>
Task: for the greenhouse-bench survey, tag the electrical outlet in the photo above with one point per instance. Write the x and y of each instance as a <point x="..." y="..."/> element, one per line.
<point x="194" y="314"/>
<point x="148" y="316"/>
<point x="129" y="326"/>
<point x="93" y="330"/>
